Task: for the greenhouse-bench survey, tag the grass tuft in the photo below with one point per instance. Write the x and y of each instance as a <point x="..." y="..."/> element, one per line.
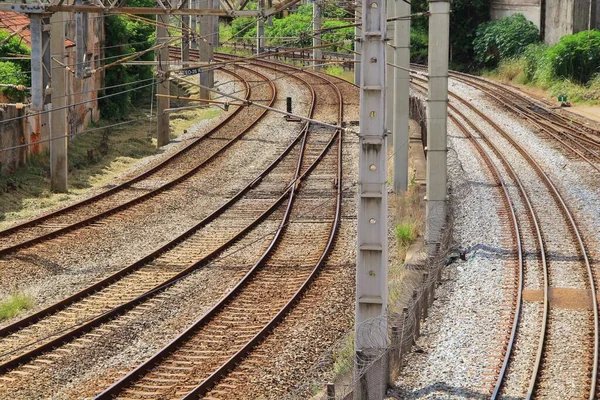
<point x="14" y="304"/>
<point x="406" y="233"/>
<point x="343" y="357"/>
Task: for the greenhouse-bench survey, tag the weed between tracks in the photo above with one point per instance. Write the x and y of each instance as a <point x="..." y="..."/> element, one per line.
<point x="14" y="304"/>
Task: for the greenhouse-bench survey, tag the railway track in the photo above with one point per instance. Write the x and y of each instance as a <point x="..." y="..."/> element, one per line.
<point x="169" y="173"/>
<point x="580" y="140"/>
<point x="554" y="274"/>
<point x="124" y="291"/>
<point x="200" y="357"/>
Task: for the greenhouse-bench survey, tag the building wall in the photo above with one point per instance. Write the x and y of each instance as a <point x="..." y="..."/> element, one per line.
<point x="559" y="19"/>
<point x="531" y="9"/>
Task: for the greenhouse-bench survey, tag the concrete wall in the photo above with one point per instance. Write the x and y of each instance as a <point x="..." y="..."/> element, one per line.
<point x="531" y="9"/>
<point x="559" y="19"/>
<point x="11" y="134"/>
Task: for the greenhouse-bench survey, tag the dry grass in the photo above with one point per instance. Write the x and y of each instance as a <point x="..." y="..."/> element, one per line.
<point x="408" y="225"/>
<point x="26" y="193"/>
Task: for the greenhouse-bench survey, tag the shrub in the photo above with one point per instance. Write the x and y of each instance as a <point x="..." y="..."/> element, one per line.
<point x="503" y="38"/>
<point x="535" y="57"/>
<point x="576" y="57"/>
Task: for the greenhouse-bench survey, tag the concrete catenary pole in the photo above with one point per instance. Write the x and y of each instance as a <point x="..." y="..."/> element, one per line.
<point x="389" y="73"/>
<point x="260" y="28"/>
<point x="371" y="337"/>
<point x="39" y="26"/>
<point x="81" y="32"/>
<point x="163" y="102"/>
<point x="316" y="53"/>
<point x="401" y="96"/>
<point x="205" y="48"/>
<point x="186" y="37"/>
<point x="194" y="25"/>
<point x="58" y="118"/>
<point x="437" y="112"/>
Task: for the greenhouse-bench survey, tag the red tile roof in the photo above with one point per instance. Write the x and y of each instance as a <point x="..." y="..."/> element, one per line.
<point x="17" y="22"/>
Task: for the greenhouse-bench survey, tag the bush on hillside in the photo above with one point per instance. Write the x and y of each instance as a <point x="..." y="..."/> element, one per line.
<point x="576" y="57"/>
<point x="503" y="38"/>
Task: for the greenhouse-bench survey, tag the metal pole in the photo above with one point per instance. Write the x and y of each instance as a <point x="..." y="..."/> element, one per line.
<point x="401" y="97"/>
<point x="371" y="336"/>
<point x="317" y="53"/>
<point x="437" y="111"/>
<point x="58" y="119"/>
<point x="260" y="28"/>
<point x="162" y="87"/>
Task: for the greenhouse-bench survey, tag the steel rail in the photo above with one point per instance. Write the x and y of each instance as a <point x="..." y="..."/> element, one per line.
<point x="125" y="185"/>
<point x="80" y="329"/>
<point x="515" y="224"/>
<point x="578" y="238"/>
<point x="142" y="369"/>
<point x="542" y="121"/>
<point x="559" y="119"/>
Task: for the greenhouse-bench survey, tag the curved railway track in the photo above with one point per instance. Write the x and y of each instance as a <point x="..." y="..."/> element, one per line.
<point x="123" y="290"/>
<point x="578" y="139"/>
<point x="551" y="277"/>
<point x="110" y="297"/>
<point x="168" y="173"/>
<point x="201" y="356"/>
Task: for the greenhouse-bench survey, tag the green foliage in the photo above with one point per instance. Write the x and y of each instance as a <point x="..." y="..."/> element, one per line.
<point x="465" y="17"/>
<point x="293" y="30"/>
<point x="126" y="37"/>
<point x="536" y="62"/>
<point x="11" y="73"/>
<point x="338" y="36"/>
<point x="343" y="357"/>
<point x="503" y="38"/>
<point x="406" y="233"/>
<point x="419" y="41"/>
<point x="14" y="304"/>
<point x="576" y="57"/>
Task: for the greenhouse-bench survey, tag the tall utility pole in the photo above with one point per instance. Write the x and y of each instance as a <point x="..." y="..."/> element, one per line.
<point x="371" y="337"/>
<point x="260" y="28"/>
<point x="162" y="88"/>
<point x="39" y="26"/>
<point x="58" y="119"/>
<point x="81" y="32"/>
<point x="437" y="112"/>
<point x="401" y="96"/>
<point x="389" y="73"/>
<point x="205" y="48"/>
<point x="316" y="53"/>
<point x="194" y="25"/>
<point x="186" y="22"/>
